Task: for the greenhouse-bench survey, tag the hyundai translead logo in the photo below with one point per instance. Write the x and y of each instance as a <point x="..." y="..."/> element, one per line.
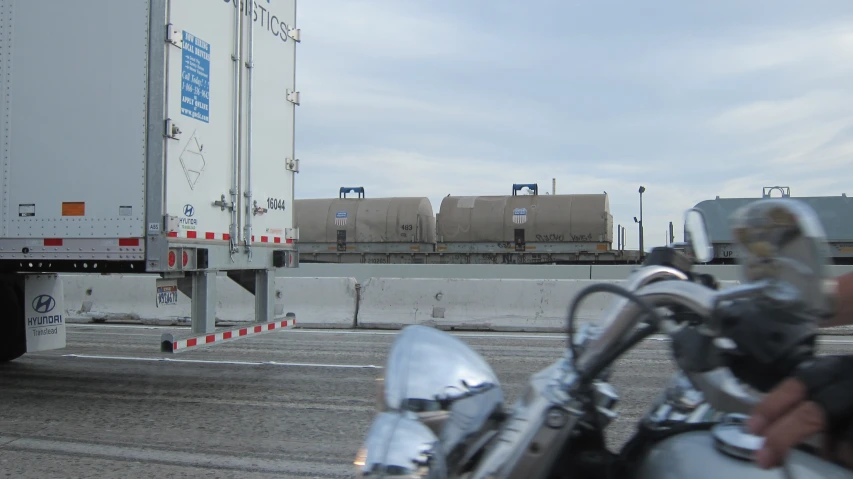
<point x="44" y="303"/>
<point x="189" y="211"/>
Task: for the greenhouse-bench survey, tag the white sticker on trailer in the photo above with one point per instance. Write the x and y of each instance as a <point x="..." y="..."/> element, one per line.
<point x="45" y="312"/>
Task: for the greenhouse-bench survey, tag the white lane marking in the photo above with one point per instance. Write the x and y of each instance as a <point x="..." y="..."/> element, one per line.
<point x="835" y="341"/>
<point x="125" y="335"/>
<point x="235" y="363"/>
<point x="119" y="326"/>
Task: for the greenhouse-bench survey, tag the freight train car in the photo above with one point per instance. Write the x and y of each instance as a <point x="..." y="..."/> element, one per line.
<point x="835" y="212"/>
<point x="558" y="223"/>
<point x="516" y="229"/>
<point x="538" y="228"/>
<point x="364" y="225"/>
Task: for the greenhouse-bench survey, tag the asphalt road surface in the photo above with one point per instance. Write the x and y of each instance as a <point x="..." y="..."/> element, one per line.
<point x="107" y="407"/>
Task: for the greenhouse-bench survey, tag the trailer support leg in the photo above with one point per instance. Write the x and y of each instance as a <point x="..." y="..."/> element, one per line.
<point x="264" y="295"/>
<point x="203" y="306"/>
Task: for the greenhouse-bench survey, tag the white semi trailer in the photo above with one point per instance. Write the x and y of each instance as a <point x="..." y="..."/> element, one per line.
<point x="144" y="136"/>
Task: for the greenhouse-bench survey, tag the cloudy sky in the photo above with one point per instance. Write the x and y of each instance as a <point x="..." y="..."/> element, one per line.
<point x="465" y="97"/>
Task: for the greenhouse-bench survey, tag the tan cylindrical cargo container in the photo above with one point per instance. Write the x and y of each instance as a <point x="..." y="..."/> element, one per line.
<point x="365" y="220"/>
<point x="542" y="218"/>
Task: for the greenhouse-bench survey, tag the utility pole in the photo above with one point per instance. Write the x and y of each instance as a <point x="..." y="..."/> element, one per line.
<point x="618" y="237"/>
<point x="640" y="221"/>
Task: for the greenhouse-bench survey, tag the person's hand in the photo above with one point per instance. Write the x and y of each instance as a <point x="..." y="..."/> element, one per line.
<point x="819" y="399"/>
<point x="785" y="418"/>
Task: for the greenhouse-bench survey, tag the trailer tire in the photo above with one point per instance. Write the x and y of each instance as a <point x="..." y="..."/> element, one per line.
<point x="13" y="339"/>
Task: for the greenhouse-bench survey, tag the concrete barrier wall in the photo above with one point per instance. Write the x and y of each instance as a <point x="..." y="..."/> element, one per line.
<point x="470" y="302"/>
<point x="478" y="304"/>
<point x="362" y="272"/>
<point x="318" y="302"/>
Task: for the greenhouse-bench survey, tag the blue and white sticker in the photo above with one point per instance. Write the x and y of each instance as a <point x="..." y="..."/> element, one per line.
<point x="519" y="216"/>
<point x="195" y="78"/>
<point x="341" y="218"/>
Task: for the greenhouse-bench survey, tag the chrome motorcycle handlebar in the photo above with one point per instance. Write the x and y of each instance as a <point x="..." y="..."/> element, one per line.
<point x="720" y="387"/>
<point x="622" y="317"/>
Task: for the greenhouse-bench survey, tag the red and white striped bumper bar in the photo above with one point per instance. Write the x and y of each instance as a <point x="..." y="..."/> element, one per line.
<point x="168" y="343"/>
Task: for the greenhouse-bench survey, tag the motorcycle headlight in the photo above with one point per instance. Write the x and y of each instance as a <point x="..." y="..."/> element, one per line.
<point x="437" y="380"/>
<point x="429" y="370"/>
<point x="399" y="446"/>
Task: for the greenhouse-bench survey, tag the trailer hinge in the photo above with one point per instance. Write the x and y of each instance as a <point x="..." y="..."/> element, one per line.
<point x="174" y="36"/>
<point x="223" y="205"/>
<point x="295" y="34"/>
<point x="291" y="165"/>
<point x="172" y="223"/>
<point x="293" y="97"/>
<point x="172" y="129"/>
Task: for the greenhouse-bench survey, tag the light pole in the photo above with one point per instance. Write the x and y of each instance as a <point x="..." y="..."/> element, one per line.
<point x="640" y="221"/>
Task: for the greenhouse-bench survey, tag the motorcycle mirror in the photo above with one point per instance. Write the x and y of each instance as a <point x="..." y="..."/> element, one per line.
<point x="697" y="236"/>
<point x="783" y="240"/>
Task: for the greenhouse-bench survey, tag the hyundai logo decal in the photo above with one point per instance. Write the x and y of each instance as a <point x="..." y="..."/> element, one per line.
<point x="44" y="303"/>
<point x="189" y="210"/>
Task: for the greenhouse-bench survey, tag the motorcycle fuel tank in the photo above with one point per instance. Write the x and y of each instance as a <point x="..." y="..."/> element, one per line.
<point x="703" y="455"/>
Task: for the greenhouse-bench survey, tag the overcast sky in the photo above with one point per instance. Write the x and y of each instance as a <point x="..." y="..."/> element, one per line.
<point x="465" y="97"/>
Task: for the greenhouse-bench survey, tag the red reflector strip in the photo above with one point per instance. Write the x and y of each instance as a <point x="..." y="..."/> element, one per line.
<point x="226" y="237"/>
<point x="192" y="342"/>
<point x="53" y="241"/>
<point x="264" y="239"/>
<point x="192" y="234"/>
<point x="173" y="234"/>
<point x="226" y="335"/>
<point x="289" y="241"/>
<point x="210" y="236"/>
<point x="211" y="338"/>
<point x="244" y="332"/>
<point x="277" y="239"/>
<point x="128" y="242"/>
<point x="258" y="329"/>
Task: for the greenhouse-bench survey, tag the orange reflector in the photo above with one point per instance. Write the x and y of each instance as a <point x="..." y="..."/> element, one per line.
<point x="74" y="209"/>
